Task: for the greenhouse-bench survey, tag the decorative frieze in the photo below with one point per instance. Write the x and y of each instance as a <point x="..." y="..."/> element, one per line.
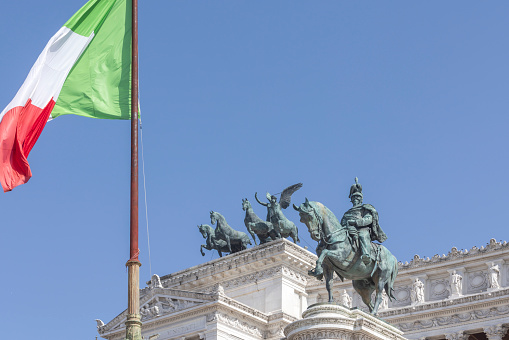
<point x="454" y="319"/>
<point x="439" y="289"/>
<point x="477" y="281"/>
<point x="238" y="324"/>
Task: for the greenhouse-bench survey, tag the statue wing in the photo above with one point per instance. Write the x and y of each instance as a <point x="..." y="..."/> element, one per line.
<point x="286" y="195"/>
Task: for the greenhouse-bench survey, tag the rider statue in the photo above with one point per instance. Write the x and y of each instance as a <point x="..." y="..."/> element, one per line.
<point x="362" y="223"/>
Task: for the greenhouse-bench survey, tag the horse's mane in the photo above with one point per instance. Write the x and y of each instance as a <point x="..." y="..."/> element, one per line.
<point x="221" y="220"/>
<point x="208" y="228"/>
<point x="329" y="215"/>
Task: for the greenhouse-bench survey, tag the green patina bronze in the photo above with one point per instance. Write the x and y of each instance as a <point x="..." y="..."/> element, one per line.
<point x="346" y="248"/>
<point x="214" y="243"/>
<point x="283" y="227"/>
<point x="255" y="225"/>
<point x="235" y="240"/>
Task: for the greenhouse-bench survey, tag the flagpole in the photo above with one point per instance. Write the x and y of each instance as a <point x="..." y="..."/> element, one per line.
<point x="133" y="323"/>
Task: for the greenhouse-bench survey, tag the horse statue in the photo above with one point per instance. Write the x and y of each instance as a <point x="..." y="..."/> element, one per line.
<point x="336" y="254"/>
<point x="212" y="242"/>
<point x="226" y="233"/>
<point x="282" y="226"/>
<point x="255" y="225"/>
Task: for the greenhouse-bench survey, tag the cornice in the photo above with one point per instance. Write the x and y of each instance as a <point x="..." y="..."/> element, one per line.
<point x="455" y="254"/>
<point x="233" y="265"/>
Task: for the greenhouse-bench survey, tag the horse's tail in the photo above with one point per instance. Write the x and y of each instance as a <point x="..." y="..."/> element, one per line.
<point x="247" y="240"/>
<point x="389" y="287"/>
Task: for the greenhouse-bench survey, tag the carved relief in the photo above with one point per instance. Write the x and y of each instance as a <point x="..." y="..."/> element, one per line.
<point x="402" y="295"/>
<point x="454" y="319"/>
<point x="439" y="289"/>
<point x="163" y="305"/>
<point x="477" y="281"/>
<point x="328" y="334"/>
<point x="241" y="325"/>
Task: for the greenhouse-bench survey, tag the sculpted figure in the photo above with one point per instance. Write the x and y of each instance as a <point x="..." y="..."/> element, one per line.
<point x="456" y="283"/>
<point x="417" y="293"/>
<point x="337" y="254"/>
<point x="494" y="272"/>
<point x="226" y="233"/>
<point x="362" y="223"/>
<point x="155" y="282"/>
<point x="255" y="225"/>
<point x="345" y="299"/>
<point x="282" y="226"/>
<point x="385" y="301"/>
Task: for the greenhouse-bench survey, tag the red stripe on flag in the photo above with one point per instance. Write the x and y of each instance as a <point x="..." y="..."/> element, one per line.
<point x="19" y="130"/>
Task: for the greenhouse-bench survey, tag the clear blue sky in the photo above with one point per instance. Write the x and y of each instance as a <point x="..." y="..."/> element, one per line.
<point x="246" y="96"/>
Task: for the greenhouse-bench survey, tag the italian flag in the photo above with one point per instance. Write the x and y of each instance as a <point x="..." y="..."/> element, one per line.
<point x="85" y="69"/>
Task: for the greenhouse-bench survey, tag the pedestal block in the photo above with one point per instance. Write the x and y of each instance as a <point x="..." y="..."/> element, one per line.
<point x="329" y="321"/>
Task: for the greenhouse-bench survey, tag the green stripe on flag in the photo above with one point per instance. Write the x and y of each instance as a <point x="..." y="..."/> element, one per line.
<point x="99" y="84"/>
<point x="89" y="17"/>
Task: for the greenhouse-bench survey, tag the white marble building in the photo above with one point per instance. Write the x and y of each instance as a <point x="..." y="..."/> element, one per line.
<point x="256" y="293"/>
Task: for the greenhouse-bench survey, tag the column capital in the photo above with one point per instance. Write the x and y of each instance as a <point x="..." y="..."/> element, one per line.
<point x="457" y="336"/>
<point x="495" y="332"/>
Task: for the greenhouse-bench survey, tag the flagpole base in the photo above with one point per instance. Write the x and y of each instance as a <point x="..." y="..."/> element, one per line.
<point x="133" y="327"/>
<point x="133" y="323"/>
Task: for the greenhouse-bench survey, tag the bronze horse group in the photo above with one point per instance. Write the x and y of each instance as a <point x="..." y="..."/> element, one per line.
<point x="338" y="251"/>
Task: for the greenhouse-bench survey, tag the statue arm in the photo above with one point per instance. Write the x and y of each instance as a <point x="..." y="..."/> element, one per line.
<point x="364" y="221"/>
<point x="257" y="200"/>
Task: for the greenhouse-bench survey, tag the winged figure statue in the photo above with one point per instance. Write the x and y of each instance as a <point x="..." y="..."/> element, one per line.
<point x="282" y="226"/>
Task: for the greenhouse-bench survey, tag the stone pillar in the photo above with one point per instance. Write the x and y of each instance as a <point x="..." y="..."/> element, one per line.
<point x="324" y="321"/>
<point x="495" y="332"/>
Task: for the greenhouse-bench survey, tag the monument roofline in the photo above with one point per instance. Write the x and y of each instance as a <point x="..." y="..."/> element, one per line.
<point x="454" y="254"/>
<point x="265" y="255"/>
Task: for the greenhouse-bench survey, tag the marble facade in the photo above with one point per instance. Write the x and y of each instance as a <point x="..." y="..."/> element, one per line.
<point x="256" y="293"/>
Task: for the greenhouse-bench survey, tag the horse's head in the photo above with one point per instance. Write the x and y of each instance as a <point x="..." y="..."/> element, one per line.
<point x="204" y="230"/>
<point x="245" y="204"/>
<point x="310" y="218"/>
<point x="213" y="217"/>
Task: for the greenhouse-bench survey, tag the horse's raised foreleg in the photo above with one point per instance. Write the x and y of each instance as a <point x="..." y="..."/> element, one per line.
<point x="365" y="288"/>
<point x="201" y="249"/>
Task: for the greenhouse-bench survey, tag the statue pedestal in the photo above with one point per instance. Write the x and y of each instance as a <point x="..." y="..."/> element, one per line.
<point x="329" y="321"/>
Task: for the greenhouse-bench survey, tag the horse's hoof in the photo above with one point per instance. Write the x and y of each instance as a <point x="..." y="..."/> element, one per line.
<point x="316" y="273"/>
